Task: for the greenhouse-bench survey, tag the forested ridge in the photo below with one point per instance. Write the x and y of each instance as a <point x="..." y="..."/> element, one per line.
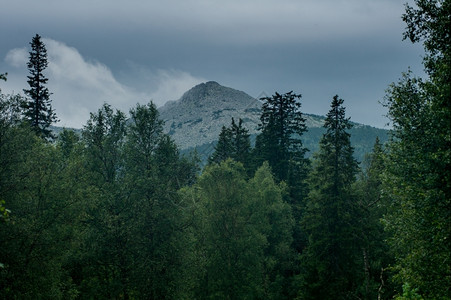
<point x="116" y="212"/>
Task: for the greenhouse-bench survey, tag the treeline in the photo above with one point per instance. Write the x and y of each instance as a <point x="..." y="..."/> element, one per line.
<point x="118" y="213"/>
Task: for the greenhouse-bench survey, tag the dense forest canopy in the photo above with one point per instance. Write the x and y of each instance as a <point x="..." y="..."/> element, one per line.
<point x="116" y="212"/>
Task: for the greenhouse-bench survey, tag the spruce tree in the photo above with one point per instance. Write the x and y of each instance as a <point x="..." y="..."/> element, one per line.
<point x="282" y="125"/>
<point x="38" y="109"/>
<point x="279" y="143"/>
<point x="234" y="142"/>
<point x="330" y="259"/>
<point x="223" y="148"/>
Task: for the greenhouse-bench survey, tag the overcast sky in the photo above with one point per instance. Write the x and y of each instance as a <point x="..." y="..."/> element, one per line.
<point x="125" y="52"/>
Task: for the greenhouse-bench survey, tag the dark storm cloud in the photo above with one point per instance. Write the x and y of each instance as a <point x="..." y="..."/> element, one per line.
<point x="155" y="49"/>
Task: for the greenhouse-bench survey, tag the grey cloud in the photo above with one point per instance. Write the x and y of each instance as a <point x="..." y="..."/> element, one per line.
<point x="319" y="48"/>
<point x="224" y="21"/>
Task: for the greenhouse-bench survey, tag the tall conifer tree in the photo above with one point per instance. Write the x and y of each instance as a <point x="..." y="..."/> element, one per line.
<point x="38" y="110"/>
<point x="330" y="260"/>
<point x="282" y="125"/>
<point x="234" y="142"/>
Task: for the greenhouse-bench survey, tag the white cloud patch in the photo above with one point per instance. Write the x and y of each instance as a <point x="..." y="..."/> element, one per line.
<point x="171" y="84"/>
<point x="17" y="57"/>
<point x="79" y="86"/>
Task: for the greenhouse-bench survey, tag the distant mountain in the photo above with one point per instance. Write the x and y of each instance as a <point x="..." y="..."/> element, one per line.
<point x="198" y="116"/>
<point x="195" y="120"/>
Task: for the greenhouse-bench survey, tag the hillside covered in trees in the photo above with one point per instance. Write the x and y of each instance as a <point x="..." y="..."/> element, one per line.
<point x="118" y="213"/>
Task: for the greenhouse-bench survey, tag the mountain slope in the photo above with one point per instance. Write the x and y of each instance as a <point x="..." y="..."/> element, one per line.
<point x="198" y="116"/>
<point x="195" y="120"/>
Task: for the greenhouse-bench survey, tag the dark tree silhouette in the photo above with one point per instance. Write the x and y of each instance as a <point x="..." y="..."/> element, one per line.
<point x="38" y="109"/>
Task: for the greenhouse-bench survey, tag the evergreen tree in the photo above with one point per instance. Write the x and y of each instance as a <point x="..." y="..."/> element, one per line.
<point x="38" y="109"/>
<point x="282" y="126"/>
<point x="234" y="142"/>
<point x="330" y="261"/>
<point x="240" y="142"/>
<point x="279" y="143"/>
<point x="223" y="149"/>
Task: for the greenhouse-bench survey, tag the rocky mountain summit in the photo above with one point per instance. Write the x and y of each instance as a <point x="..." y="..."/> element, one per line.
<point x="198" y="116"/>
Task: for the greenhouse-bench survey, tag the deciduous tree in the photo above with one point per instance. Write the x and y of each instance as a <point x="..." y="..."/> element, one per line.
<point x="418" y="178"/>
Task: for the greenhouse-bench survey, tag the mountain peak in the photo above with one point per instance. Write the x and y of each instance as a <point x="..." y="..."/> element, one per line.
<point x="198" y="116"/>
<point x="209" y="91"/>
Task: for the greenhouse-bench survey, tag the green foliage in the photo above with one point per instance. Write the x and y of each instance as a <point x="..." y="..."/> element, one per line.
<point x="418" y="182"/>
<point x="409" y="293"/>
<point x="234" y="142"/>
<point x="38" y="235"/>
<point x="418" y="177"/>
<point x="243" y="233"/>
<point x="376" y="255"/>
<point x="280" y="144"/>
<point x="3" y="77"/>
<point x="38" y="109"/>
<point x="134" y="217"/>
<point x="118" y="213"/>
<point x="430" y="22"/>
<point x="155" y="172"/>
<point x="223" y="149"/>
<point x="104" y="135"/>
<point x="330" y="267"/>
<point x="3" y="211"/>
<point x="282" y="126"/>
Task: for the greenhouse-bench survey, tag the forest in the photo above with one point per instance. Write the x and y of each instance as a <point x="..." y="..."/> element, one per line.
<point x="116" y="212"/>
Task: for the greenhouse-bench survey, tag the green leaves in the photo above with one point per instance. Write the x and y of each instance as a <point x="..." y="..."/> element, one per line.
<point x="417" y="180"/>
<point x="234" y="142"/>
<point x="243" y="230"/>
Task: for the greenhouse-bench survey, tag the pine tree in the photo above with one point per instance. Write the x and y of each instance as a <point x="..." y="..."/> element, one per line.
<point x="38" y="109"/>
<point x="330" y="260"/>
